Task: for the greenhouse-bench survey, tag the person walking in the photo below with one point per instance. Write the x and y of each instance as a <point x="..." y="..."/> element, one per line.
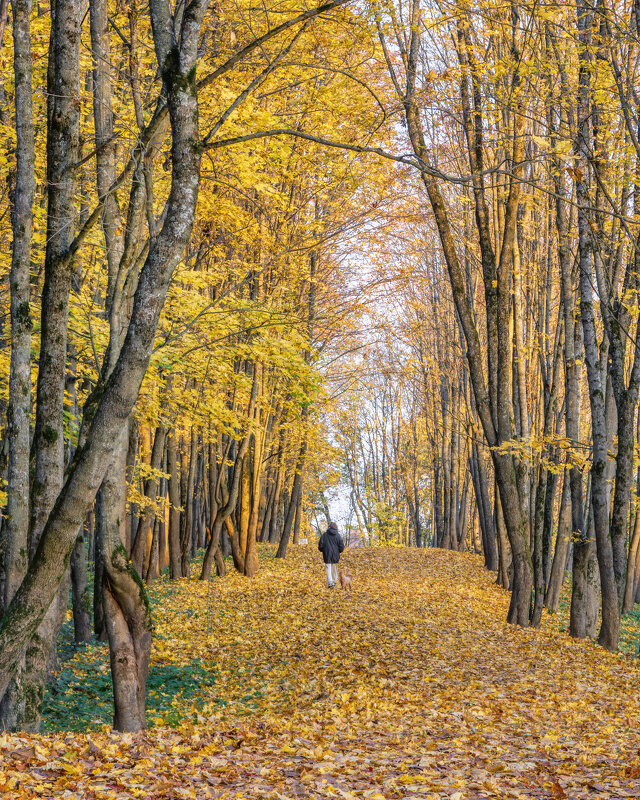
<point x="331" y="545"/>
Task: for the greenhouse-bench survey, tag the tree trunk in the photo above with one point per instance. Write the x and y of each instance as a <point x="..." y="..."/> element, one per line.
<point x="129" y="630"/>
<point x="62" y="158"/>
<point x="504" y="577"/>
<point x="120" y="613"/>
<point x="251" y="553"/>
<point x="213" y="549"/>
<point x="484" y="513"/>
<point x="132" y="453"/>
<point x="236" y="552"/>
<point x="126" y="609"/>
<point x="187" y="516"/>
<point x="16" y="525"/>
<point x="296" y="491"/>
<point x="582" y="557"/>
<point x="243" y="511"/>
<point x="163" y="546"/>
<point x="547" y="526"/>
<point x="270" y="492"/>
<point x="556" y="578"/>
<point x="298" y="521"/>
<point x="99" y="625"/>
<point x="114" y="401"/>
<point x="151" y="487"/>
<point x="174" y="505"/>
<point x="153" y="568"/>
<point x="538" y="554"/>
<point x="80" y="593"/>
<point x="438" y="505"/>
<point x="275" y="511"/>
<point x="634" y="554"/>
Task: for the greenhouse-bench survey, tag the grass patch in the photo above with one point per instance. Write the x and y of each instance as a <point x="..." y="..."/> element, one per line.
<point x="629" y="624"/>
<point x="81" y="697"/>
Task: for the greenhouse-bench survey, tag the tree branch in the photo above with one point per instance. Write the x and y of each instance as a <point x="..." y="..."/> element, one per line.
<point x="415" y="162"/>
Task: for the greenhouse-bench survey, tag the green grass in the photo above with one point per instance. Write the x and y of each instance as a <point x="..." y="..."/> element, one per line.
<point x="80" y="695"/>
<point x="629" y="624"/>
<point x="81" y="698"/>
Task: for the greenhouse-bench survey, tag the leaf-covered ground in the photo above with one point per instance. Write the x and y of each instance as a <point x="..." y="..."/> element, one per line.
<point x="411" y="686"/>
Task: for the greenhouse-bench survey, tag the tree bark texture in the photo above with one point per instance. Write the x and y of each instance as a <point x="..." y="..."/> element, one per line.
<point x="16" y="526"/>
<point x="610" y="629"/>
<point x="18" y="435"/>
<point x="177" y="66"/>
<point x="81" y="601"/>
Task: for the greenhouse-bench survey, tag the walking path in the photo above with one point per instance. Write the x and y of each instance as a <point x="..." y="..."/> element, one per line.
<point x="410" y="686"/>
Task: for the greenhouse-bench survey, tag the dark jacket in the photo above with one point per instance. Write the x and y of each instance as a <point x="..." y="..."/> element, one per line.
<point x="331" y="545"/>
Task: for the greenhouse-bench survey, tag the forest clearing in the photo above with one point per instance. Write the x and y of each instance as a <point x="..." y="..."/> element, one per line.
<point x="410" y="686"/>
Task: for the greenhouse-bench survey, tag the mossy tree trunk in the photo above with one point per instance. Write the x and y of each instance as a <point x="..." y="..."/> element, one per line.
<point x="108" y="410"/>
<point x="63" y="126"/>
<point x="16" y="524"/>
<point x="17" y="521"/>
<point x="125" y="603"/>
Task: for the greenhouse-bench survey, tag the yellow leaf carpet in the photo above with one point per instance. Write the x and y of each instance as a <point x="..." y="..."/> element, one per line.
<point x="410" y="686"/>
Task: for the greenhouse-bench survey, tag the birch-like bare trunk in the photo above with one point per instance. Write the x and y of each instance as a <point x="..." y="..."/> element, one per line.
<point x="610" y="629"/>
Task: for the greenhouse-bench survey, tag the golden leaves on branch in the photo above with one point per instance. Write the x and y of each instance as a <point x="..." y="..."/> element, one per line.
<point x="553" y="451"/>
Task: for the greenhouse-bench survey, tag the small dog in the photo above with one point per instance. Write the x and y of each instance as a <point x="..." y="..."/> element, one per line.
<point x="345" y="580"/>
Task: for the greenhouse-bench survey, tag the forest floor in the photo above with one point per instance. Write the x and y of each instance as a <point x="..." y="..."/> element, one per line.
<point x="410" y="686"/>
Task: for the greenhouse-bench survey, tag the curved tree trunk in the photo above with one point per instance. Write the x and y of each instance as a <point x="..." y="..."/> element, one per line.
<point x="125" y="605"/>
<point x="213" y="548"/>
<point x="236" y="552"/>
<point x="129" y="631"/>
<point x="113" y="401"/>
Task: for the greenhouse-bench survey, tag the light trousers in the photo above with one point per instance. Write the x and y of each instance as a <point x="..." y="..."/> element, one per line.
<point x="332" y="574"/>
